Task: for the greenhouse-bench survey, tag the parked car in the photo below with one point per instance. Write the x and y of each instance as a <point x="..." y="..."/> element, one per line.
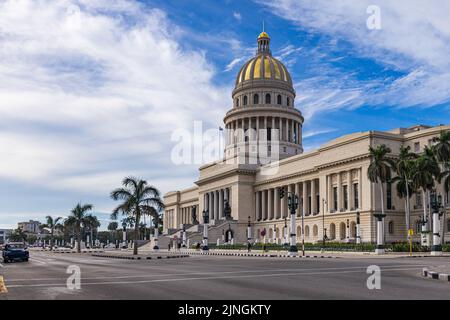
<point x="15" y="251"/>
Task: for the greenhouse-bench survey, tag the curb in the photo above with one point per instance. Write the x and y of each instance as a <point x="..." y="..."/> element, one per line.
<point x="140" y="258"/>
<point x="260" y="255"/>
<point x="435" y="275"/>
<point x="88" y="251"/>
<point x="425" y="256"/>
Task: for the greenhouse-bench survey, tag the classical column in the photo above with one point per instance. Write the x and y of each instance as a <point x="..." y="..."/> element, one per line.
<point x="313" y="197"/>
<point x="258" y="206"/>
<point x="281" y="128"/>
<point x="221" y="191"/>
<point x="270" y="203"/>
<point x="286" y="130"/>
<point x="257" y="128"/>
<point x="360" y="189"/>
<point x="339" y="191"/>
<point x="264" y="205"/>
<point x="305" y="198"/>
<point x="297" y="193"/>
<point x="210" y="205"/>
<point x="216" y="205"/>
<point x="276" y="203"/>
<point x="350" y="198"/>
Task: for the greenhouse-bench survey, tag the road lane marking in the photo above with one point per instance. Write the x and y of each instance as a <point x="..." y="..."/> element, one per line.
<point x="206" y="278"/>
<point x="216" y="272"/>
<point x="2" y="286"/>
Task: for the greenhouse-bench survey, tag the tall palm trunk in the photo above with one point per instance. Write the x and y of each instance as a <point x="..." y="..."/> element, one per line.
<point x="408" y="210"/>
<point x="382" y="210"/>
<point x="51" y="240"/>
<point x="78" y="239"/>
<point x="136" y="231"/>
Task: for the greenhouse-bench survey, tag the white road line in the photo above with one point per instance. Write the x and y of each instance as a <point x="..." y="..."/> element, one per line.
<point x="204" y="278"/>
<point x="38" y="261"/>
<point x="216" y="272"/>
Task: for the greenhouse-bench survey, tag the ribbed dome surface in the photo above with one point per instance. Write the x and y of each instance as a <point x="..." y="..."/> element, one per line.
<point x="261" y="67"/>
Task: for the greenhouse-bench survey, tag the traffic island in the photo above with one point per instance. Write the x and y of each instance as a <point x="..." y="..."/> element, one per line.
<point x="125" y="256"/>
<point x="250" y="254"/>
<point x="437" y="274"/>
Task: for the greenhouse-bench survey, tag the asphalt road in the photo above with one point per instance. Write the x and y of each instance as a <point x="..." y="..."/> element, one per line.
<point x="211" y="277"/>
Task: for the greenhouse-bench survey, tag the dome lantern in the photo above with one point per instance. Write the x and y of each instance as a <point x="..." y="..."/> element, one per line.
<point x="264" y="43"/>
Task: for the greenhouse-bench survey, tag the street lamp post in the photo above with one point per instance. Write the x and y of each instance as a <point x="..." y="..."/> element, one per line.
<point x="205" y="230"/>
<point x="436" y="204"/>
<point x="358" y="228"/>
<point x="124" y="234"/>
<point x="293" y="205"/>
<point x="303" y="228"/>
<point x="285" y="232"/>
<point x="324" y="236"/>
<point x="249" y="235"/>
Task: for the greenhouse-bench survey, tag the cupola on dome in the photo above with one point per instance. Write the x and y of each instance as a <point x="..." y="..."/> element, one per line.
<point x="263" y="66"/>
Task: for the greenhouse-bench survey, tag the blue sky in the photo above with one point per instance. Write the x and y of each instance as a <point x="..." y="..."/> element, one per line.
<point x="90" y="91"/>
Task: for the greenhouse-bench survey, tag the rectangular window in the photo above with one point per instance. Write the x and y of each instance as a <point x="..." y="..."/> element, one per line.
<point x="417" y="147"/>
<point x="345" y="190"/>
<point x="356" y="195"/>
<point x="318" y="203"/>
<point x="389" y="195"/>
<point x="335" y="200"/>
<point x="309" y="204"/>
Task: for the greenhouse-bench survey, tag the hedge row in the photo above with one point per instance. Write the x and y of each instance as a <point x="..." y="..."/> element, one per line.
<point x="333" y="246"/>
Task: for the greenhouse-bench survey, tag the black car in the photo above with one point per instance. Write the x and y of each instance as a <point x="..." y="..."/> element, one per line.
<point x="15" y="251"/>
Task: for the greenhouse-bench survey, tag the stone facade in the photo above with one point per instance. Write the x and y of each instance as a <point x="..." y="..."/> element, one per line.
<point x="330" y="181"/>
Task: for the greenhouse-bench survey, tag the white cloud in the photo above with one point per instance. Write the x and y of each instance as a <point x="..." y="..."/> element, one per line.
<point x="237" y="16"/>
<point x="414" y="39"/>
<point x="91" y="93"/>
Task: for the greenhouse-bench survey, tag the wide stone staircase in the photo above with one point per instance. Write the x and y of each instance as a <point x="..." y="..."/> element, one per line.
<point x="194" y="234"/>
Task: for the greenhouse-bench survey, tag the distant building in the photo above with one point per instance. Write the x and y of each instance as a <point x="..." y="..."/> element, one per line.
<point x="30" y="226"/>
<point x="4" y="235"/>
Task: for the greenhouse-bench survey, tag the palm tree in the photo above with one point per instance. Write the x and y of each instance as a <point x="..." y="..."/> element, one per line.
<point x="379" y="171"/>
<point x="425" y="171"/>
<point x="79" y="219"/>
<point x="18" y="235"/>
<point x="92" y="224"/>
<point x="445" y="176"/>
<point x="138" y="197"/>
<point x="112" y="226"/>
<point x="52" y="225"/>
<point x="442" y="152"/>
<point x="405" y="188"/>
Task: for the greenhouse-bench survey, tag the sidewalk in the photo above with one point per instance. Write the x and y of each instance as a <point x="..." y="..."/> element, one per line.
<point x="309" y="254"/>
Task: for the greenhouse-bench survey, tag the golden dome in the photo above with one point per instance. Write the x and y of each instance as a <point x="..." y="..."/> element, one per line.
<point x="263" y="35"/>
<point x="263" y="67"/>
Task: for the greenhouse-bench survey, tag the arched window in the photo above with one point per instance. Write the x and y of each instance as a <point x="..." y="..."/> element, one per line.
<point x="332" y="231"/>
<point x="237" y="102"/>
<point x="268" y="98"/>
<point x="342" y="229"/>
<point x="288" y="102"/>
<point x="279" y="99"/>
<point x="391" y="227"/>
<point x="307" y="231"/>
<point x="256" y="99"/>
<point x="315" y="230"/>
<point x="245" y="100"/>
<point x="353" y="229"/>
